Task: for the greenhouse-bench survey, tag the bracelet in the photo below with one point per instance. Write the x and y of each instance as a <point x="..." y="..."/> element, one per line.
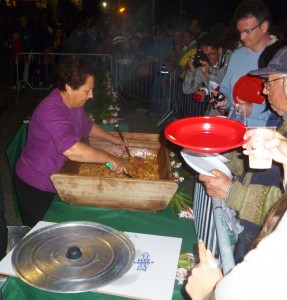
<point x="228" y="191"/>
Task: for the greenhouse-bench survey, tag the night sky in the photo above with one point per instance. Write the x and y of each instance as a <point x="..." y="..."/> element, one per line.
<point x="214" y="11"/>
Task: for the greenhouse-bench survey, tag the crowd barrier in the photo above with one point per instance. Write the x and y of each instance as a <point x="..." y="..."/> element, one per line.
<point x="151" y="83"/>
<point x="37" y="71"/>
<point x="210" y="226"/>
<point x="162" y="90"/>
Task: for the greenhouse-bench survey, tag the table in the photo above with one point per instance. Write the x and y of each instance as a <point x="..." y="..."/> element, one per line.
<point x="165" y="222"/>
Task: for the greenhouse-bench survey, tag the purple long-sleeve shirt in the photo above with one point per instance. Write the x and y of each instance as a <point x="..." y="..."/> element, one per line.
<point x="53" y="129"/>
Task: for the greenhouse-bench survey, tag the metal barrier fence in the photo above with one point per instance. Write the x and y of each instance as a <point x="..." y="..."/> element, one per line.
<point x="161" y="88"/>
<point x="210" y="226"/>
<point x="163" y="91"/>
<point x="38" y="70"/>
<point x="151" y="83"/>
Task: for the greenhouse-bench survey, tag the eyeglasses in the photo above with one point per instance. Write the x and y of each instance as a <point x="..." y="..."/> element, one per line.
<point x="267" y="85"/>
<point x="248" y="31"/>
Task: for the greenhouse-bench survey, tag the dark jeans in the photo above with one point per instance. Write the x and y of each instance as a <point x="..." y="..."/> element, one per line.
<point x="245" y="238"/>
<point x="33" y="203"/>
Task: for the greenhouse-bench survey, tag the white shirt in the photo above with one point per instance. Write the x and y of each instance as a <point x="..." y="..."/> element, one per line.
<point x="262" y="274"/>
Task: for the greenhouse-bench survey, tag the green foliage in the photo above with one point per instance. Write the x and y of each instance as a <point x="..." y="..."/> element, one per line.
<point x="103" y="107"/>
<point x="186" y="261"/>
<point x="181" y="200"/>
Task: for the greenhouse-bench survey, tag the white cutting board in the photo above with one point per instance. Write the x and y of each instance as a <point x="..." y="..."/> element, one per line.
<point x="152" y="275"/>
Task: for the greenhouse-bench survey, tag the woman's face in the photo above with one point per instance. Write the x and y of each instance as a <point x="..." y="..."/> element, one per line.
<point x="79" y="97"/>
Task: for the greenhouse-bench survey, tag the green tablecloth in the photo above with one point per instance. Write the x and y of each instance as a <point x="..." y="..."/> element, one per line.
<point x="164" y="223"/>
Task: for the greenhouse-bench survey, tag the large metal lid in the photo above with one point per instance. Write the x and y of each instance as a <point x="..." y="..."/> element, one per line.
<point x="72" y="257"/>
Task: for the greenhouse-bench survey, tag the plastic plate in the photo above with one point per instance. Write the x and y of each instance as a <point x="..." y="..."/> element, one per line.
<point x="203" y="163"/>
<point x="206" y="134"/>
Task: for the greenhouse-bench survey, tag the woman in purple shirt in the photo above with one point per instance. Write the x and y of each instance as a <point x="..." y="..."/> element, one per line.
<point x="55" y="135"/>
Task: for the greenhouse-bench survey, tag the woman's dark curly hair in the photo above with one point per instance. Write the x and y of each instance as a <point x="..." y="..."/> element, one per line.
<point x="74" y="70"/>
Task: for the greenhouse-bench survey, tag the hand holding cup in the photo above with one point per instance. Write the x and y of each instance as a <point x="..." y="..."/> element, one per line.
<point x="264" y="144"/>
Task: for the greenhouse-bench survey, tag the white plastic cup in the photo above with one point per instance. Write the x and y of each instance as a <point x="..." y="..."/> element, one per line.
<point x="260" y="158"/>
<point x="239" y="114"/>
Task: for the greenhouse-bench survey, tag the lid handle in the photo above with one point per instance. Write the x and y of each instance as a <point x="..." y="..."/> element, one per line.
<point x="74" y="252"/>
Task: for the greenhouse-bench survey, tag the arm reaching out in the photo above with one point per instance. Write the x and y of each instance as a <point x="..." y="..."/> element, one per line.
<point x="204" y="276"/>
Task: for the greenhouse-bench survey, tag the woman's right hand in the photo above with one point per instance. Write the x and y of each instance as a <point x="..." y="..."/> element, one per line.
<point x="118" y="165"/>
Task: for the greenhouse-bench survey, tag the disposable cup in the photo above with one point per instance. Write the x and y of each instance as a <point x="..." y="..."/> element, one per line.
<point x="260" y="157"/>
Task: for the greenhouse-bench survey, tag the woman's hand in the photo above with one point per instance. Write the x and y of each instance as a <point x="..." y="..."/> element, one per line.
<point x="216" y="186"/>
<point x="204" y="276"/>
<point x="117" y="165"/>
<point x="82" y="152"/>
<point x="118" y="141"/>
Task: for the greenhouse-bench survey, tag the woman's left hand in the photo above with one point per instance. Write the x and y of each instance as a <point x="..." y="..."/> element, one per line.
<point x="123" y="144"/>
<point x="204" y="276"/>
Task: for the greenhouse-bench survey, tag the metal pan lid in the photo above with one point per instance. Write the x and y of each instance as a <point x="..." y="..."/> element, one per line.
<point x="73" y="257"/>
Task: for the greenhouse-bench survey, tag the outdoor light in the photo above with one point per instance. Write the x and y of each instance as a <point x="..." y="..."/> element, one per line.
<point x="122" y="10"/>
<point x="104" y="4"/>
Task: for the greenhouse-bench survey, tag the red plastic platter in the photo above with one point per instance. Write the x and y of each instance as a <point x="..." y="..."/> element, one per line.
<point x="249" y="89"/>
<point x="206" y="134"/>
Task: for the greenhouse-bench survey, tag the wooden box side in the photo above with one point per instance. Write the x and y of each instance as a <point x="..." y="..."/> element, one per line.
<point x="114" y="193"/>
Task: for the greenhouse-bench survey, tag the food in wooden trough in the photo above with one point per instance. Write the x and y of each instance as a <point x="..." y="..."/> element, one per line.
<point x="138" y="167"/>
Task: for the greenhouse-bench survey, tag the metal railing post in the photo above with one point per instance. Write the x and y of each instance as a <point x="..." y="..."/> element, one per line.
<point x="225" y="249"/>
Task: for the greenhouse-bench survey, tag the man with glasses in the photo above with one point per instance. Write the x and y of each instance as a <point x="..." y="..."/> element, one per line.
<point x="259" y="189"/>
<point x="275" y="86"/>
<point x="261" y="274"/>
<point x="252" y="20"/>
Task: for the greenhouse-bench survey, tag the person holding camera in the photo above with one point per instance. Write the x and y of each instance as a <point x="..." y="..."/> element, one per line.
<point x="206" y="68"/>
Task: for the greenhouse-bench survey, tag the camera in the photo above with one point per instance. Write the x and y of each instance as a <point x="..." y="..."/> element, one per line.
<point x="219" y="97"/>
<point x="198" y="57"/>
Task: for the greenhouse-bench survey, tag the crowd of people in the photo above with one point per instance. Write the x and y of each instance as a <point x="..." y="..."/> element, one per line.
<point x="259" y="197"/>
<point x="261" y="274"/>
<point x="152" y="50"/>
